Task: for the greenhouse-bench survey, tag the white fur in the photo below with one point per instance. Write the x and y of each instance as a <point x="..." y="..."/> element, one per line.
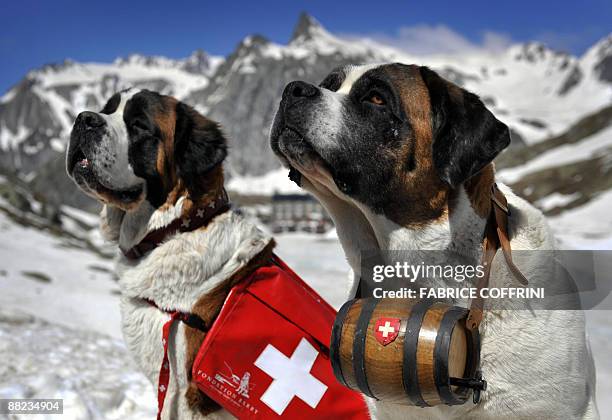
<point x="113" y="150"/>
<point x="323" y="136"/>
<point x="174" y="275"/>
<point x="353" y="73"/>
<point x="135" y="224"/>
<point x="537" y="363"/>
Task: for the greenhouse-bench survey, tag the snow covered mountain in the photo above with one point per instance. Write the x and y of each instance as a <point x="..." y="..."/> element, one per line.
<point x="538" y="92"/>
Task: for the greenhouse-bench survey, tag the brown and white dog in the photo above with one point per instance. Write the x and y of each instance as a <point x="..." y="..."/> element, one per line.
<point x="401" y="159"/>
<point x="152" y="160"/>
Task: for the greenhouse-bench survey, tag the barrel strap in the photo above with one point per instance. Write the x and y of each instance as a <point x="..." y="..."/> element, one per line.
<point x="411" y="339"/>
<point x="359" y="345"/>
<point x="496" y="236"/>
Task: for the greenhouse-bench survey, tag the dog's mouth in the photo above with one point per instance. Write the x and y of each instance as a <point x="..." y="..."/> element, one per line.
<point x="299" y="154"/>
<point x="78" y="159"/>
<point x="80" y="168"/>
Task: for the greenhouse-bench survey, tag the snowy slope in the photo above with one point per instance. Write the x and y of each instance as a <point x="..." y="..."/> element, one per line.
<point x="588" y="226"/>
<point x="39" y="269"/>
<point x="274" y="182"/>
<point x="594" y="145"/>
<point x="527" y="83"/>
<point x="92" y="373"/>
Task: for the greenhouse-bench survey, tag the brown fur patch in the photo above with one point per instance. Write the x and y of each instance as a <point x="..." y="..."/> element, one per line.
<point x="207" y="308"/>
<point x="211" y="186"/>
<point x="419" y="195"/>
<point x="478" y="189"/>
<point x="166" y="122"/>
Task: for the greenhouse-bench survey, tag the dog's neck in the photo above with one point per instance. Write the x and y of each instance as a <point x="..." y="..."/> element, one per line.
<point x="129" y="228"/>
<point x="176" y="274"/>
<point x="460" y="230"/>
<point x="187" y="264"/>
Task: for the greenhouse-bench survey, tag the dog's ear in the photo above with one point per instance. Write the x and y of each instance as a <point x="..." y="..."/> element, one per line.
<point x="466" y="135"/>
<point x="199" y="146"/>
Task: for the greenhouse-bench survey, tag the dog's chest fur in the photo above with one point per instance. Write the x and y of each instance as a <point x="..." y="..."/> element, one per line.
<point x="537" y="363"/>
<point x="174" y="276"/>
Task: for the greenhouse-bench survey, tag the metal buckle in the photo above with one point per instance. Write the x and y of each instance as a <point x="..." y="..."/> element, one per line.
<point x="476" y="384"/>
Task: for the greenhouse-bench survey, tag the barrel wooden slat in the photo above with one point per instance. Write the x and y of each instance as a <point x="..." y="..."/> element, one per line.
<point x="382" y="361"/>
<point x="425" y="352"/>
<point x="346" y="346"/>
<point x="334" y="350"/>
<point x="414" y="369"/>
<point x="457" y="360"/>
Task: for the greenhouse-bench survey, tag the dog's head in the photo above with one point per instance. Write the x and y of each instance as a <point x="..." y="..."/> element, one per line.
<point x="394" y="137"/>
<point x="143" y="146"/>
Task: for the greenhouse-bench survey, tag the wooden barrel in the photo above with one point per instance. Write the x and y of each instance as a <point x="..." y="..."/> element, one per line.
<point x="405" y="350"/>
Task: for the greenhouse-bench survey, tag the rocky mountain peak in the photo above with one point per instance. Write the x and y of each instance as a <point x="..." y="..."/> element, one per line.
<point x="599" y="57"/>
<point x="198" y="62"/>
<point x="253" y="41"/>
<point x="603" y="47"/>
<point x="144" y="60"/>
<point x="306" y="28"/>
<point x="56" y="67"/>
<point x="535" y="51"/>
<point x="251" y="44"/>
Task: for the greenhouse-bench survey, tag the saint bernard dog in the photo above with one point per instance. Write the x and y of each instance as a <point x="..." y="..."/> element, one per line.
<point x="153" y="161"/>
<point x="402" y="160"/>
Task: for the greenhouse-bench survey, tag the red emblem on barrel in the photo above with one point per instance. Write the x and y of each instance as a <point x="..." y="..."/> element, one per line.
<point x="386" y="330"/>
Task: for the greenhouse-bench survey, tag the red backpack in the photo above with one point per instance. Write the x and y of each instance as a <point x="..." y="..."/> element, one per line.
<point x="267" y="354"/>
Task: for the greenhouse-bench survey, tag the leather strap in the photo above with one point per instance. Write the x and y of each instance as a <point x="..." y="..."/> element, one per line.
<point x="496" y="236"/>
<point x="197" y="218"/>
<point x="164" y="372"/>
<point x="193" y="321"/>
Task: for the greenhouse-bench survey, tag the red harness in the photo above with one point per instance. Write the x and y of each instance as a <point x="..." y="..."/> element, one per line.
<point x="266" y="356"/>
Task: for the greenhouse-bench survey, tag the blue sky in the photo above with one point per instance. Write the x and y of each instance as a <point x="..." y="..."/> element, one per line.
<point x="36" y="32"/>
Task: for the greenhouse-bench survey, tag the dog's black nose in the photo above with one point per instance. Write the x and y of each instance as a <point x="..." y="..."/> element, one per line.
<point x="297" y="90"/>
<point x="90" y="119"/>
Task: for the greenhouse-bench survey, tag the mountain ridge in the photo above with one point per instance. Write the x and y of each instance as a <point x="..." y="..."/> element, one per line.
<point x="537" y="91"/>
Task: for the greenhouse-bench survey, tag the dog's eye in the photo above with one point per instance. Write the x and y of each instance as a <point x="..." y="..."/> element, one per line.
<point x="375" y="98"/>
